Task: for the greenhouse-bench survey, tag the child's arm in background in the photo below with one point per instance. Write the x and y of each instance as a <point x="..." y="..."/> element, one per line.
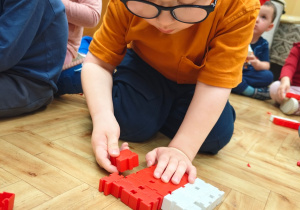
<point x="86" y="13"/>
<point x="257" y="64"/>
<point x="204" y="111"/>
<point x="288" y="70"/>
<point x="96" y="77"/>
<point x="285" y="84"/>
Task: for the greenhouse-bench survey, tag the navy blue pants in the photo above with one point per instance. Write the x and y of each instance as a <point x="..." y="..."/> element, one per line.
<point x="21" y="95"/>
<point x="145" y="102"/>
<point x="256" y="79"/>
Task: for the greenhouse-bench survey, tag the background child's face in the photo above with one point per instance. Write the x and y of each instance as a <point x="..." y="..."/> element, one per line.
<point x="264" y="20"/>
<point x="165" y="22"/>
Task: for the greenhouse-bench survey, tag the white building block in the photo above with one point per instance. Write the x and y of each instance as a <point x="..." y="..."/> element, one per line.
<point x="250" y="51"/>
<point x="199" y="195"/>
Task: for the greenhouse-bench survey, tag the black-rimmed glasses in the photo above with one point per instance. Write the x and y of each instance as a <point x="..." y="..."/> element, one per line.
<point x="183" y="13"/>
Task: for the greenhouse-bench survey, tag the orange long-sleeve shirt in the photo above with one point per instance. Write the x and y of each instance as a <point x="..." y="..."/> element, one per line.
<point x="212" y="52"/>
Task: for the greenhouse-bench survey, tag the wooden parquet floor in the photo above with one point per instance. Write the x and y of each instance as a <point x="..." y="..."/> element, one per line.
<point x="47" y="161"/>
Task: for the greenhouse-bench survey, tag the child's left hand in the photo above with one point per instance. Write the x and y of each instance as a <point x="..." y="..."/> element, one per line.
<point x="172" y="164"/>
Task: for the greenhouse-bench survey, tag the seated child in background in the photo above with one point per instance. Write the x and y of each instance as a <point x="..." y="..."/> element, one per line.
<point x="80" y="14"/>
<point x="176" y="78"/>
<point x="256" y="74"/>
<point x="33" y="43"/>
<point x="289" y="82"/>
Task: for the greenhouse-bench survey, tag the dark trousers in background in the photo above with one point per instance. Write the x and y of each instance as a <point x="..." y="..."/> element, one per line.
<point x="19" y="95"/>
<point x="256" y="79"/>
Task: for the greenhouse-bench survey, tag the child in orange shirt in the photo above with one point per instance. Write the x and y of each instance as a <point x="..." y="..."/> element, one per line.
<point x="176" y="76"/>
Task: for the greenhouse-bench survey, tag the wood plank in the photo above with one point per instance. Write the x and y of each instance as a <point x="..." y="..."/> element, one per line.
<point x="7" y="178"/>
<point x="268" y="175"/>
<point x="237" y="200"/>
<point x="117" y="205"/>
<point x="38" y="173"/>
<point x="64" y="127"/>
<point x="222" y="173"/>
<point x="290" y="147"/>
<point x="79" y="143"/>
<point x="280" y="201"/>
<point x="41" y="120"/>
<point x="81" y="197"/>
<point x="26" y="196"/>
<point x="239" y="143"/>
<point x="59" y="157"/>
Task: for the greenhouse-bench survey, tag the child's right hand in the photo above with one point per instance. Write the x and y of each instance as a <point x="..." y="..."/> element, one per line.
<point x="172" y="164"/>
<point x="105" y="138"/>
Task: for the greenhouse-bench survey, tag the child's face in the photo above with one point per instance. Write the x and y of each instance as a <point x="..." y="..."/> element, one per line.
<point x="165" y="21"/>
<point x="264" y="20"/>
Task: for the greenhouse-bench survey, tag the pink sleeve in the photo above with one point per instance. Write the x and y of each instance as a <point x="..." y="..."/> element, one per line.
<point x="290" y="66"/>
<point x="85" y="13"/>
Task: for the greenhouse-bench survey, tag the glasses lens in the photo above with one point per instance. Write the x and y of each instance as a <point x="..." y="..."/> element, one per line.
<point x="190" y="14"/>
<point x="142" y="9"/>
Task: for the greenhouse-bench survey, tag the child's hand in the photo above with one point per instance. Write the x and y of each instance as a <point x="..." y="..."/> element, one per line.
<point x="253" y="61"/>
<point x="105" y="137"/>
<point x="251" y="57"/>
<point x="283" y="88"/>
<point x="172" y="164"/>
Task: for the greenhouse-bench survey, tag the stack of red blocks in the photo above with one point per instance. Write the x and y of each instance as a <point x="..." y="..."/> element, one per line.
<point x="140" y="190"/>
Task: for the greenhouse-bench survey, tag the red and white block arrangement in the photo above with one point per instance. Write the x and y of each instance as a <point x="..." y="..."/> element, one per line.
<point x="142" y="191"/>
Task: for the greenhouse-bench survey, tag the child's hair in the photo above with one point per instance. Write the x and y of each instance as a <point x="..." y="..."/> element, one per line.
<point x="271" y="4"/>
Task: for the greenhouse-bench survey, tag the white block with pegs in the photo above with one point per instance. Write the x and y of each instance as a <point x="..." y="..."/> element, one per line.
<point x="199" y="195"/>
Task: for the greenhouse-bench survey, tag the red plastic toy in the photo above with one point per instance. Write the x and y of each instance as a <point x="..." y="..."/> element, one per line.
<point x="298" y="163"/>
<point x="7" y="201"/>
<point x="294" y="124"/>
<point x="105" y="184"/>
<point x="263" y="1"/>
<point x="293" y="95"/>
<point x="140" y="190"/>
<point x="127" y="160"/>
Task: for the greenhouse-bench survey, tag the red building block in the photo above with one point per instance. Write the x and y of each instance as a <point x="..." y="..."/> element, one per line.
<point x="146" y="176"/>
<point x="122" y="185"/>
<point x="293" y="95"/>
<point x="145" y="199"/>
<point x="7" y="201"/>
<point x="127" y="160"/>
<point x="105" y="184"/>
<point x="136" y="195"/>
<point x="285" y="122"/>
<point x="263" y="1"/>
<point x="141" y="190"/>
